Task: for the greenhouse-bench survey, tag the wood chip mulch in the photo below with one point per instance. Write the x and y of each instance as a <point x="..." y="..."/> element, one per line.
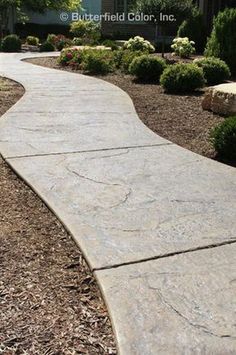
<point x="50" y="303"/>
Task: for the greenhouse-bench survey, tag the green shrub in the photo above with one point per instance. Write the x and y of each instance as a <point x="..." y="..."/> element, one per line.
<point x="98" y="62"/>
<point x="222" y="42"/>
<point x="112" y="44"/>
<point x="182" y="78"/>
<point x="77" y="41"/>
<point x="139" y="44"/>
<point x="148" y="68"/>
<point x="123" y="58"/>
<point x="47" y="47"/>
<point x="195" y="29"/>
<point x="11" y="43"/>
<point x="88" y="30"/>
<point x="223" y="138"/>
<point x="72" y="57"/>
<point x="58" y="41"/>
<point x="215" y="71"/>
<point x="32" y="41"/>
<point x="183" y="47"/>
<point x="51" y="38"/>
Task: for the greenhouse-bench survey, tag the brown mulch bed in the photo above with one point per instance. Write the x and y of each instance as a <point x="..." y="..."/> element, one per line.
<point x="179" y="118"/>
<point x="49" y="301"/>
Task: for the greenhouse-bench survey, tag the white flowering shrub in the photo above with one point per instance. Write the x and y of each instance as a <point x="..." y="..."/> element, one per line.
<point x="139" y="44"/>
<point x="183" y="47"/>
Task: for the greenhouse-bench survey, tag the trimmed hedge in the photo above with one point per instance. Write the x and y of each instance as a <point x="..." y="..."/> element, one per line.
<point x="215" y="71"/>
<point x="182" y="78"/>
<point x="223" y="138"/>
<point x="147" y="68"/>
<point x="11" y="43"/>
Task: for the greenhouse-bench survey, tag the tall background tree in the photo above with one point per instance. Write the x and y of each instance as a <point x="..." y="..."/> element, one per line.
<point x="13" y="8"/>
<point x="180" y="9"/>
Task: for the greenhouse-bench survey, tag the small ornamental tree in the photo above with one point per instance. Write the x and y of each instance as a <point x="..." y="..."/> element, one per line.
<point x="161" y="12"/>
<point x="11" y="7"/>
<point x="222" y="42"/>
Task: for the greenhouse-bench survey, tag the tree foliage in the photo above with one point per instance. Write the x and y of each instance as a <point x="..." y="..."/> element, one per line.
<point x="180" y="9"/>
<point x="12" y="7"/>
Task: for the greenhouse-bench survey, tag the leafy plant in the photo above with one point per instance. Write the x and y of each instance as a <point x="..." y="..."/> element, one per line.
<point x="181" y="9"/>
<point x="222" y="42"/>
<point x="88" y="30"/>
<point x="215" y="71"/>
<point x="58" y="41"/>
<point x="112" y="44"/>
<point x="77" y="41"/>
<point x="73" y="57"/>
<point x="223" y="138"/>
<point x="7" y="7"/>
<point x="148" y="68"/>
<point x="182" y="78"/>
<point x="32" y="41"/>
<point x="123" y="58"/>
<point x="47" y="47"/>
<point x="194" y="28"/>
<point x="11" y="43"/>
<point x="139" y="44"/>
<point x="183" y="47"/>
<point x="98" y="62"/>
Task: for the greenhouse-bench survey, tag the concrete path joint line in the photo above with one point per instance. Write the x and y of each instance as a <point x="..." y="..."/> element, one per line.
<point x="155" y="222"/>
<point x="89" y="151"/>
<point x="168" y="255"/>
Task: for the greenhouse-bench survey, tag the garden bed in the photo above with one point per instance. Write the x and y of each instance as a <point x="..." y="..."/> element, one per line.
<point x="50" y="302"/>
<point x="179" y="118"/>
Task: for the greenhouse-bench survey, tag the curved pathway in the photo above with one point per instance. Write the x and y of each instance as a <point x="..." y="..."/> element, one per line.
<point x="156" y="223"/>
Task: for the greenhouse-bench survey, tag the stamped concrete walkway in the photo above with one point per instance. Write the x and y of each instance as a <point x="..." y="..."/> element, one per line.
<point x="156" y="223"/>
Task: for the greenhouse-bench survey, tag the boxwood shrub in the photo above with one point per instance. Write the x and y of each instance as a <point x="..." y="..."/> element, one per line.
<point x="223" y="138"/>
<point x="11" y="43"/>
<point x="47" y="47"/>
<point x="98" y="62"/>
<point x="32" y="41"/>
<point x="182" y="78"/>
<point x="215" y="71"/>
<point x="147" y="68"/>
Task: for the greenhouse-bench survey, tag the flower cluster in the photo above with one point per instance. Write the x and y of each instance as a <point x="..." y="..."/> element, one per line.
<point x="72" y="57"/>
<point x="183" y="47"/>
<point x="139" y="44"/>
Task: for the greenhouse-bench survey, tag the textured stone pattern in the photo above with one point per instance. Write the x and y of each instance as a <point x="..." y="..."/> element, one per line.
<point x="156" y="223"/>
<point x="184" y="304"/>
<point x="221" y="99"/>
